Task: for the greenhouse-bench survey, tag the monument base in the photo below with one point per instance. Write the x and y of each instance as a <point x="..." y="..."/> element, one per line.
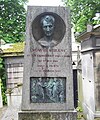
<point x="51" y="115"/>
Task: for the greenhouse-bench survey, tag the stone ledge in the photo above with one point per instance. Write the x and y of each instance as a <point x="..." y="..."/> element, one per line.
<point x="45" y="115"/>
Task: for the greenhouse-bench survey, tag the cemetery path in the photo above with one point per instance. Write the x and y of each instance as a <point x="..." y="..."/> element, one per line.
<point x="2" y="111"/>
<point x="10" y="113"/>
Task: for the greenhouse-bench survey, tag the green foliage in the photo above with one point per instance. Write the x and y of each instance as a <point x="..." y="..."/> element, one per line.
<point x="3" y="81"/>
<point x="82" y="13"/>
<point x="12" y="20"/>
<point x="79" y="109"/>
<point x="3" y="89"/>
<point x="1" y="67"/>
<point x="79" y="113"/>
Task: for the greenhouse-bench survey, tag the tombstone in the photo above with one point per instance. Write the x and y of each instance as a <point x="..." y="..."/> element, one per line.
<point x="47" y="83"/>
<point x="90" y="53"/>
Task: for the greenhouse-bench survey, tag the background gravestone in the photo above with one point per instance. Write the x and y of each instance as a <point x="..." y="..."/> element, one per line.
<point x="90" y="51"/>
<point x="47" y="83"/>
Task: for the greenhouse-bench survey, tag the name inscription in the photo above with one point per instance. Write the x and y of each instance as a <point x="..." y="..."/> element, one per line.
<point x="48" y="60"/>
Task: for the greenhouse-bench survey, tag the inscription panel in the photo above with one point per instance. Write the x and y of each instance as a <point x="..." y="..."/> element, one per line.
<point x="47" y="90"/>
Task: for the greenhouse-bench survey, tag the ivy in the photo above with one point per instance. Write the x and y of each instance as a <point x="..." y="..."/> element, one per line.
<point x="3" y="81"/>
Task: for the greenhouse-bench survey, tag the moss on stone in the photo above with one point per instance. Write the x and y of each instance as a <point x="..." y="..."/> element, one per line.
<point x="15" y="48"/>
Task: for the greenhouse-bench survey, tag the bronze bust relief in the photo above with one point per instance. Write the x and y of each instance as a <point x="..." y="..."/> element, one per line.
<point x="48" y="25"/>
<point x="48" y="29"/>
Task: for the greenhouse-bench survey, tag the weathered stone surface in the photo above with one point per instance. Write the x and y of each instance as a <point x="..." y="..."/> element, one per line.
<point x="97" y="81"/>
<point x="48" y="84"/>
<point x="48" y="62"/>
<point x="91" y="74"/>
<point x="47" y="115"/>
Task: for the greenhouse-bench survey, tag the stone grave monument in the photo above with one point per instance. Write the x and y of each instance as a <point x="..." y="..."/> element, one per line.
<point x="47" y="83"/>
<point x="90" y="55"/>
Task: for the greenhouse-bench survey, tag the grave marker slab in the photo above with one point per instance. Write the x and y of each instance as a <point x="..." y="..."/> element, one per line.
<point x="48" y="83"/>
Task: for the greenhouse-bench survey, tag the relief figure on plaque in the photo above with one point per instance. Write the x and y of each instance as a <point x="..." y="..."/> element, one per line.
<point x="48" y="26"/>
<point x="39" y="90"/>
<point x="56" y="91"/>
<point x="48" y="90"/>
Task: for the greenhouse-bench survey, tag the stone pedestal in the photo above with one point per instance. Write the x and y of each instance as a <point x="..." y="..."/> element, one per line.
<point x="51" y="115"/>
